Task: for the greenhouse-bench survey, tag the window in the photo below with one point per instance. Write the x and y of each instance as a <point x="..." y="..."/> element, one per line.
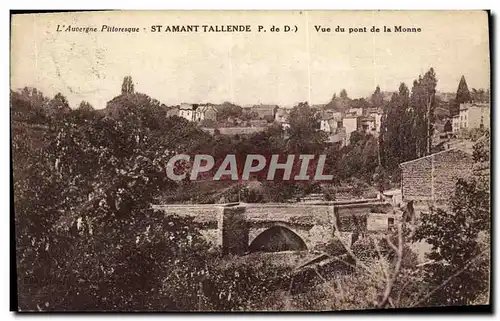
<point x="390" y="223"/>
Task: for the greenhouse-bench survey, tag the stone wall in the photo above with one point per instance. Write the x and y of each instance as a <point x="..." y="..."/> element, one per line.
<point x="448" y="168"/>
<point x="434" y="177"/>
<point x="417" y="179"/>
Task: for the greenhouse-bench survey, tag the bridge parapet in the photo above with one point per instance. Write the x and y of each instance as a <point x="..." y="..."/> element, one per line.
<point x="299" y="214"/>
<point x="202" y="213"/>
<point x="236" y="225"/>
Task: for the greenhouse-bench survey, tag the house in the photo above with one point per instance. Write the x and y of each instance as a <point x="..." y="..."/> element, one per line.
<point x="455" y="123"/>
<point x="329" y="120"/>
<point x="330" y="125"/>
<point x="324" y="125"/>
<point x="350" y="123"/>
<point x="197" y="112"/>
<point x="431" y="179"/>
<point x="265" y="111"/>
<point x="187" y="111"/>
<point x="367" y="124"/>
<point x="473" y="115"/>
<point x="377" y="116"/>
<point x="209" y="111"/>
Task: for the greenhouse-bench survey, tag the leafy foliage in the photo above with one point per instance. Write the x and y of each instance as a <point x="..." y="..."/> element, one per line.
<point x="480" y="95"/>
<point x="85" y="229"/>
<point x="304" y="138"/>
<point x="229" y="110"/>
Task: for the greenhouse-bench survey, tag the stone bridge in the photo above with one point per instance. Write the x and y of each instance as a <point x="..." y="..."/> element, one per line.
<point x="240" y="228"/>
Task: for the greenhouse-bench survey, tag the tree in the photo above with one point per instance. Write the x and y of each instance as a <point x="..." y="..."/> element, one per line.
<point x="423" y="102"/>
<point x="460" y="253"/>
<point x="249" y="115"/>
<point x="304" y="138"/>
<point x="463" y="95"/>
<point x="58" y="107"/>
<point x="28" y="105"/>
<point x="360" y="158"/>
<point x="359" y="103"/>
<point x="127" y="86"/>
<point x="339" y="103"/>
<point x="479" y="95"/>
<point x="377" y="98"/>
<point x="84" y="112"/>
<point x="395" y="129"/>
<point x="91" y="237"/>
<point x="229" y="110"/>
<point x="85" y="106"/>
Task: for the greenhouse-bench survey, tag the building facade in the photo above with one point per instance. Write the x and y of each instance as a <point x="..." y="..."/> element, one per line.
<point x="474" y="115"/>
<point x="377" y="116"/>
<point x="187" y="111"/>
<point x="196" y="112"/>
<point x="455" y="123"/>
<point x="350" y="124"/>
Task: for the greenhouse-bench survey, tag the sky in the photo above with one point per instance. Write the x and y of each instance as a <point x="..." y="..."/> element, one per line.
<point x="246" y="68"/>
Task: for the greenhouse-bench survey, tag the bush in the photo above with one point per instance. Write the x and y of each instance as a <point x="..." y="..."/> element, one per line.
<point x="364" y="249"/>
<point x="237" y="284"/>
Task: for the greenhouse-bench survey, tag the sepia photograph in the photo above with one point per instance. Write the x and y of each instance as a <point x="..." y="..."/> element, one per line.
<point x="250" y="161"/>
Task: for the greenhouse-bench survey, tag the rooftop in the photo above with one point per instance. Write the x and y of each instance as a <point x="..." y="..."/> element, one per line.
<point x="432" y="155"/>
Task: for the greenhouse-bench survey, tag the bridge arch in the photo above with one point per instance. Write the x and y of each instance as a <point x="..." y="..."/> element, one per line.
<point x="276" y="239"/>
